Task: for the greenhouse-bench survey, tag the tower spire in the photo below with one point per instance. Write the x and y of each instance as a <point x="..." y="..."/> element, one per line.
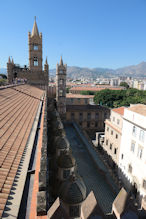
<point x="46" y="61"/>
<point x="35" y="31"/>
<point x="61" y="61"/>
<point x="9" y="60"/>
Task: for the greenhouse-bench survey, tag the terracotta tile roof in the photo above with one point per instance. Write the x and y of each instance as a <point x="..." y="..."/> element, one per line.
<point x="119" y="110"/>
<point x="138" y="108"/>
<point x="18" y="107"/>
<point x="78" y="96"/>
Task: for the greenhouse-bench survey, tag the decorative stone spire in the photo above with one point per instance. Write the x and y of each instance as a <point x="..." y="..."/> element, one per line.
<point x="61" y="61"/>
<point x="9" y="60"/>
<point x="12" y="61"/>
<point x="35" y="31"/>
<point x="46" y="63"/>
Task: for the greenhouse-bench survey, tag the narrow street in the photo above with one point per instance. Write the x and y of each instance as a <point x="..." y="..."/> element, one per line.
<point x="93" y="178"/>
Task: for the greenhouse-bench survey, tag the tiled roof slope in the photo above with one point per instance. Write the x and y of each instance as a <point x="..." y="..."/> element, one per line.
<point x="18" y="107"/>
<point x="119" y="110"/>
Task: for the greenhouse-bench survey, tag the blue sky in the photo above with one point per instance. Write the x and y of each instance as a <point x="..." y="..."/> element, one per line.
<point x="87" y="33"/>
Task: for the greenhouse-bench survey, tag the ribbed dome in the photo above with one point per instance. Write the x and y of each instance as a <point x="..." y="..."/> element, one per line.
<point x="66" y="160"/>
<point x="73" y="190"/>
<point x="62" y="143"/>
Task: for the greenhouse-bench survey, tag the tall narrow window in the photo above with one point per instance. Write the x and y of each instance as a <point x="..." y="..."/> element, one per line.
<point x="129" y="168"/>
<point x="144" y="184"/>
<point x="35" y="61"/>
<point x="81" y="116"/>
<point x="115" y="151"/>
<point x="60" y="93"/>
<point x="139" y="153"/>
<point x="134" y="131"/>
<point x="110" y="146"/>
<point x="132" y="146"/>
<point x="141" y="135"/>
<point x="88" y="116"/>
<point x="72" y="116"/>
<point x="61" y="81"/>
<point x="96" y="116"/>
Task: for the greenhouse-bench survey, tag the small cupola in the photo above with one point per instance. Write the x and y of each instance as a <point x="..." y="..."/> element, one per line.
<point x="72" y="193"/>
<point x="66" y="165"/>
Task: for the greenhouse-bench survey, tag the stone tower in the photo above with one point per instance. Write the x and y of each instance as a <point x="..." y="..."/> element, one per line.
<point x="35" y="49"/>
<point x="10" y="70"/>
<point x="61" y="88"/>
<point x="46" y="69"/>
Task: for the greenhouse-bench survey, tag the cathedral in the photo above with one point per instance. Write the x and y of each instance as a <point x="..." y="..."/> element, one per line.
<point x="48" y="166"/>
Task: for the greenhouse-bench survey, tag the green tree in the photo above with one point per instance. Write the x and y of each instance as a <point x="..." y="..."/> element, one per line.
<point x="67" y="90"/>
<point x="124" y="84"/>
<point x="87" y="92"/>
<point x="2" y="81"/>
<point x="117" y="98"/>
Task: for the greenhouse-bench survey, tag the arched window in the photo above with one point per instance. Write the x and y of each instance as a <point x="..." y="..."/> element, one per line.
<point x="35" y="61"/>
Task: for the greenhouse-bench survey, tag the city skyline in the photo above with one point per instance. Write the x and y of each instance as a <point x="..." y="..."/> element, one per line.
<point x="97" y="34"/>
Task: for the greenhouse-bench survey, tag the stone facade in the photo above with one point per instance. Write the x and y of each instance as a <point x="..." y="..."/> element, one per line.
<point x="90" y="117"/>
<point x="33" y="74"/>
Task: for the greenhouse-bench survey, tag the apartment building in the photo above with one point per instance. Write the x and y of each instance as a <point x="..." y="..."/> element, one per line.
<point x="113" y="133"/>
<point x="132" y="157"/>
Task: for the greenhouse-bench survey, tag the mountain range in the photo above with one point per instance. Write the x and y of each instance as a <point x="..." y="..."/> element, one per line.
<point x="77" y="72"/>
<point x="132" y="71"/>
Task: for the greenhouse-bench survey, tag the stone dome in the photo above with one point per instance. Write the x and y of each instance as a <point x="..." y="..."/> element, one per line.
<point x="62" y="143"/>
<point x="73" y="190"/>
<point x="66" y="160"/>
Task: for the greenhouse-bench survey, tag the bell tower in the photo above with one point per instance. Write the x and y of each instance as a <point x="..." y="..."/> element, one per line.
<point x="61" y="88"/>
<point x="35" y="49"/>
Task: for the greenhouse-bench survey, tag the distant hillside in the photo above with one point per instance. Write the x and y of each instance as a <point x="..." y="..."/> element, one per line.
<point x="133" y="70"/>
<point x="77" y="72"/>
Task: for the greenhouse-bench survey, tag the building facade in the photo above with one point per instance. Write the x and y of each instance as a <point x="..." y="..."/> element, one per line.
<point x="113" y="133"/>
<point x="132" y="156"/>
<point x="33" y="74"/>
<point x="78" y="99"/>
<point x="90" y="117"/>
